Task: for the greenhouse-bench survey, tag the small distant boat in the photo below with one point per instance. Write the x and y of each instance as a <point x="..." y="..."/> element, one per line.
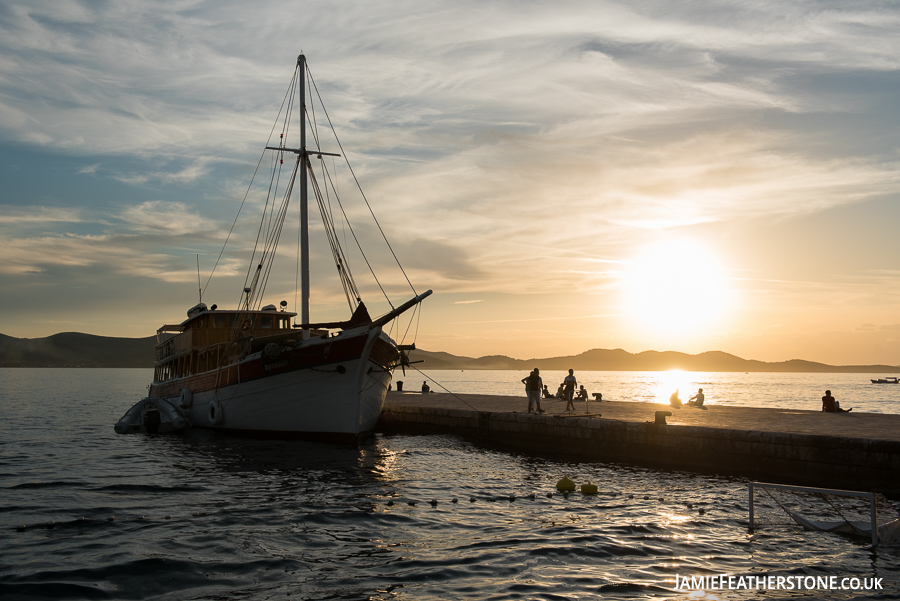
<point x="886" y="381"/>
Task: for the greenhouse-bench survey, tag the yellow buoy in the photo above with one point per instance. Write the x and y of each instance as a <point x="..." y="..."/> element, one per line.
<point x="588" y="489"/>
<point x="565" y="484"/>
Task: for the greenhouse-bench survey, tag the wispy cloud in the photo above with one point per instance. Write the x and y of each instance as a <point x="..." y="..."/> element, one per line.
<point x="497" y="141"/>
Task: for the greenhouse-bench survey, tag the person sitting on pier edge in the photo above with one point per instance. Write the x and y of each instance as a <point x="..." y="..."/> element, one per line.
<point x="830" y="405"/>
<point x="674" y="400"/>
<point x="546" y="393"/>
<point x="534" y="385"/>
<point x="570" y="383"/>
<point x="561" y="391"/>
<point x="700" y="398"/>
<point x="582" y="393"/>
<point x="425" y="387"/>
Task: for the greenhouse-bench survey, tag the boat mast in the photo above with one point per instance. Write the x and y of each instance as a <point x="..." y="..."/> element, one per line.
<point x="304" y="203"/>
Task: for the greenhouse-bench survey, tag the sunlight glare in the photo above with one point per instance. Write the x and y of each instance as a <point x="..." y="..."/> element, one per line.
<point x="676" y="288"/>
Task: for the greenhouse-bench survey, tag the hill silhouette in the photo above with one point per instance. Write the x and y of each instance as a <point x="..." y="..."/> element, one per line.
<point x="620" y="360"/>
<point x="73" y="349"/>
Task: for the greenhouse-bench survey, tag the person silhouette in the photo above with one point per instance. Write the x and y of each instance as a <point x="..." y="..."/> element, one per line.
<point x="830" y="405"/>
<point x="570" y="382"/>
<point x="700" y="399"/>
<point x="674" y="400"/>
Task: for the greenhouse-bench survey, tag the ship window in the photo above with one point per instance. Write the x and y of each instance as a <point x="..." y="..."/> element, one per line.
<point x="218" y="321"/>
<point x="266" y="322"/>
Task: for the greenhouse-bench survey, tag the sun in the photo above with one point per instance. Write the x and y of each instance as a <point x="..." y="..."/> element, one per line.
<point x="676" y="288"/>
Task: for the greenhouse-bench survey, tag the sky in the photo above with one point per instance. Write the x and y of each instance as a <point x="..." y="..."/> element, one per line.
<point x="687" y="176"/>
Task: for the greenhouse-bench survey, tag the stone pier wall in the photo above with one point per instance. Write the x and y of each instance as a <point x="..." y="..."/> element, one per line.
<point x="801" y="459"/>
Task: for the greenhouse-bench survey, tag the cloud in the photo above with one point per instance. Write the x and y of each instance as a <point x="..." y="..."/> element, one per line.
<point x="10" y="215"/>
<point x="170" y="217"/>
<point x="468" y="302"/>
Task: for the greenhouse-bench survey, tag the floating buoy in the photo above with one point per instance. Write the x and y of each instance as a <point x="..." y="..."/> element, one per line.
<point x="565" y="484"/>
<point x="387" y="420"/>
<point x="411" y="503"/>
<point x="661" y="500"/>
<point x="454" y="500"/>
<point x="588" y="488"/>
<point x="112" y="519"/>
<point x="168" y="517"/>
<point x="630" y="496"/>
<point x="549" y="495"/>
<point x="471" y="499"/>
<point x="701" y="511"/>
<point x="690" y="505"/>
<point x="433" y="503"/>
<point x="646" y="497"/>
<point x="21" y="528"/>
<point x="512" y="498"/>
<point x="531" y="496"/>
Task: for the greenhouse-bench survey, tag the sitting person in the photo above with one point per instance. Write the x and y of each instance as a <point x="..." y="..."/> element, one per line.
<point x="546" y="393"/>
<point x="700" y="398"/>
<point x="561" y="391"/>
<point x="582" y="393"/>
<point x="425" y="387"/>
<point x="674" y="400"/>
<point x="830" y="405"/>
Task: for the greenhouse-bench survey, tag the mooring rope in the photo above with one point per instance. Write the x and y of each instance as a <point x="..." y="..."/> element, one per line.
<point x="446" y="389"/>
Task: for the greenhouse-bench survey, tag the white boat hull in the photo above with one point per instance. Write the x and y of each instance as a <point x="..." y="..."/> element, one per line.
<point x="331" y="389"/>
<point x="302" y="401"/>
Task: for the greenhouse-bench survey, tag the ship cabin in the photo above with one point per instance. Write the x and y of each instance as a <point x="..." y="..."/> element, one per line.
<point x="199" y="344"/>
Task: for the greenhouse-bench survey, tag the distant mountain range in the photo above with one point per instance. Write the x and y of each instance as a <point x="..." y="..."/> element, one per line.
<point x="71" y="349"/>
<point x="619" y="360"/>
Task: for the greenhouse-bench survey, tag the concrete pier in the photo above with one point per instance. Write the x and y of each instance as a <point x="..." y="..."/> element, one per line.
<point x="854" y="451"/>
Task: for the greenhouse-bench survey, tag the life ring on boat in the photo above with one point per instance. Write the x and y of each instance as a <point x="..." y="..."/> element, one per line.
<point x="187" y="398"/>
<point x="215" y="412"/>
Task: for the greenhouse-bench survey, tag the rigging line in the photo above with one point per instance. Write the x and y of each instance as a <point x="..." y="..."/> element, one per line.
<point x="278" y="162"/>
<point x="250" y="185"/>
<point x="409" y="325"/>
<point x="383" y="235"/>
<point x="346" y="259"/>
<point x="345" y="277"/>
<point x="270" y="197"/>
<point x="358" y="245"/>
<point x="446" y="389"/>
<point x="275" y="235"/>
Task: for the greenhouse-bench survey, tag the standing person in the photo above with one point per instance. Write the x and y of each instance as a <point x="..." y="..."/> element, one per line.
<point x="570" y="382"/>
<point x="700" y="399"/>
<point x="534" y="385"/>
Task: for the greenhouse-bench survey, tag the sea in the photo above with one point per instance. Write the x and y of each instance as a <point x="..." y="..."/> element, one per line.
<point x="86" y="513"/>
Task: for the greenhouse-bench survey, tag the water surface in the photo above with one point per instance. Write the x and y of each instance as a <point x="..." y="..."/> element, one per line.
<point x="207" y="516"/>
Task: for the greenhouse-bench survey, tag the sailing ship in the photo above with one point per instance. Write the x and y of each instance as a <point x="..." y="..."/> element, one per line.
<point x="253" y="370"/>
